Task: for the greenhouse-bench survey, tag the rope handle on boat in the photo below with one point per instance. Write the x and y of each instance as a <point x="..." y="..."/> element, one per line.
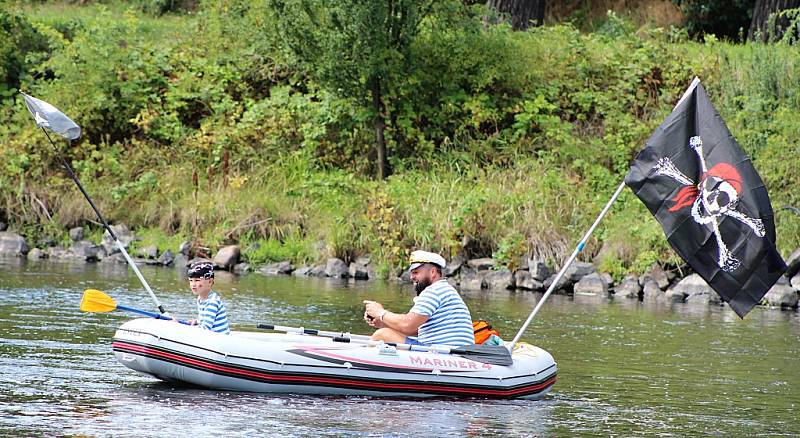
<point x="312" y="332"/>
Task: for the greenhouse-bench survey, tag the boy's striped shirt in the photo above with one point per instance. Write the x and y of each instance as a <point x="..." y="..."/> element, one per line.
<point x="212" y="314"/>
<point x="449" y="321"/>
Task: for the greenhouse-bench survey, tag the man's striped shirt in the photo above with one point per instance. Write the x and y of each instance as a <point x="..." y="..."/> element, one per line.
<point x="212" y="314"/>
<point x="449" y="321"/>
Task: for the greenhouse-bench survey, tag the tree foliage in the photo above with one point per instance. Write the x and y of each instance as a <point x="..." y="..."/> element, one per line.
<point x="360" y="51"/>
<point x="21" y="48"/>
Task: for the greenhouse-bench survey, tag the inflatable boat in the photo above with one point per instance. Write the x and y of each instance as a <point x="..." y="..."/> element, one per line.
<point x="303" y="364"/>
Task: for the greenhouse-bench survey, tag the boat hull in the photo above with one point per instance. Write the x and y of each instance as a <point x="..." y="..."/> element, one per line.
<point x="284" y="363"/>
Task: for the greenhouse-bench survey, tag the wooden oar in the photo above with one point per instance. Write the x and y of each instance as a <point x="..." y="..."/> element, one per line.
<point x="96" y="301"/>
<point x="492" y="354"/>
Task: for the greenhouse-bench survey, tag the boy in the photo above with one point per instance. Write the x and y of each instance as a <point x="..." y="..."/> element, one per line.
<point x="211" y="311"/>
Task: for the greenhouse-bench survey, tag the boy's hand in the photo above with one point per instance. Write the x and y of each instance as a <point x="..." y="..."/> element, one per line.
<point x="190" y="322"/>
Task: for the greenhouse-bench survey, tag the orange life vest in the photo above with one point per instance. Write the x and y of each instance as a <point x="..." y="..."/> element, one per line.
<point x="483" y="330"/>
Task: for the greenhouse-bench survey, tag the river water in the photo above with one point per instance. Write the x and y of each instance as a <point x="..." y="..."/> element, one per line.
<point x="625" y="368"/>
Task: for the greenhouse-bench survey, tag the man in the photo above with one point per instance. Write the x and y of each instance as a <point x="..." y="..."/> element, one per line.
<point x="438" y="317"/>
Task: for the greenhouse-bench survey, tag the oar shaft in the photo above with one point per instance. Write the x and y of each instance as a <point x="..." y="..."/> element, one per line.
<point x="313" y="332"/>
<point x="139" y="275"/>
<point x="107" y="227"/>
<point x="349" y="337"/>
<point x="567" y="264"/>
<point x="150" y="314"/>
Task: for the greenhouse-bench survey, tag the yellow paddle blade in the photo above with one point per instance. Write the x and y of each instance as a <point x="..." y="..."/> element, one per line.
<point x="95" y="301"/>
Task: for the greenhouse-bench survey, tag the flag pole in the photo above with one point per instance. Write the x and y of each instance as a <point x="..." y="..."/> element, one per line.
<point x="567" y="264"/>
<point x="582" y="243"/>
<point x="107" y="227"/>
<point x="48" y="116"/>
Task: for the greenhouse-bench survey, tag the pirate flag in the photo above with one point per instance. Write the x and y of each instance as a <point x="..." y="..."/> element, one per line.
<point x="703" y="190"/>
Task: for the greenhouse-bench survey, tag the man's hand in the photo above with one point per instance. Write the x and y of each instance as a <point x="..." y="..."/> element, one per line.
<point x="373" y="322"/>
<point x="372" y="313"/>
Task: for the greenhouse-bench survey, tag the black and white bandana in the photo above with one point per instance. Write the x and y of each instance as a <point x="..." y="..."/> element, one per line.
<point x="201" y="270"/>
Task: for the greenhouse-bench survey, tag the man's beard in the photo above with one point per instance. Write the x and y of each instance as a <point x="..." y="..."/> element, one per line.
<point x="421" y="285"/>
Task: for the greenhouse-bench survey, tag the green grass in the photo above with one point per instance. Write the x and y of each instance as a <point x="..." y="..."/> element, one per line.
<point x="158" y="238"/>
<point x="292" y="248"/>
<point x="63" y="14"/>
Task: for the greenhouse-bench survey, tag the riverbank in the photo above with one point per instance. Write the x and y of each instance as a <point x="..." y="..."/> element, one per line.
<point x="676" y="285"/>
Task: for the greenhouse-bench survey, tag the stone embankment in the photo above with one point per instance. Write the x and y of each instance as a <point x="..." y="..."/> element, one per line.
<point x="475" y="274"/>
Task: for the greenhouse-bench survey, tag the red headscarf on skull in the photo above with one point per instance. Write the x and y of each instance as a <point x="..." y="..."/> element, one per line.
<point x="687" y="194"/>
<point x="728" y="173"/>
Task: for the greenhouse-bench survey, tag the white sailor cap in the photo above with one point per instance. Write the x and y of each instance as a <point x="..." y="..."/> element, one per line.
<point x="418" y="258"/>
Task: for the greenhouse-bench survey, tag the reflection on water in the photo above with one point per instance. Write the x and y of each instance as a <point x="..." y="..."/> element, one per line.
<point x="625" y="368"/>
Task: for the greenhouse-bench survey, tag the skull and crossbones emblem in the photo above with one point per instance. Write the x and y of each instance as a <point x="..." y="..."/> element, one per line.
<point x="715" y="196"/>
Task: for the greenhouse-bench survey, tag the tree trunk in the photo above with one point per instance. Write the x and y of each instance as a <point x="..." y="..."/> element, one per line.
<point x="380" y="126"/>
<point x="766" y="26"/>
<point x="524" y="13"/>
